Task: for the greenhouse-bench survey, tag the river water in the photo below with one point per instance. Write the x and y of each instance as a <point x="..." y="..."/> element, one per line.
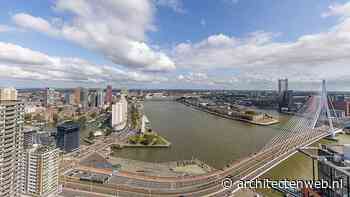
<point x="214" y="140"/>
<point x="196" y="134"/>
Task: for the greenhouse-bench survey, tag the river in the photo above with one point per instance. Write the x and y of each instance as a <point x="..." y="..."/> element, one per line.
<point x="217" y="141"/>
<point x="196" y="134"/>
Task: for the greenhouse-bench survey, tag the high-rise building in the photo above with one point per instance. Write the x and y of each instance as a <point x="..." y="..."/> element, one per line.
<point x="84" y="97"/>
<point x="11" y="144"/>
<point x="41" y="170"/>
<point x="8" y="94"/>
<point x="100" y="98"/>
<point x="109" y="94"/>
<point x="49" y="97"/>
<point x="72" y="99"/>
<point x="282" y="85"/>
<point x="120" y="113"/>
<point x="29" y="137"/>
<point x="67" y="98"/>
<point x="77" y="95"/>
<point x="68" y="137"/>
<point x="93" y="99"/>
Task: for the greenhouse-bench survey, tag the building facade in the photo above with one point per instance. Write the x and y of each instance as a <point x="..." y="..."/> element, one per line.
<point x="282" y="85"/>
<point x="77" y="92"/>
<point x="49" y="97"/>
<point x="333" y="166"/>
<point x="84" y="97"/>
<point x="120" y="114"/>
<point x="68" y="137"/>
<point x="100" y="98"/>
<point x="11" y="145"/>
<point x="41" y="170"/>
<point x="8" y="94"/>
<point x="109" y="95"/>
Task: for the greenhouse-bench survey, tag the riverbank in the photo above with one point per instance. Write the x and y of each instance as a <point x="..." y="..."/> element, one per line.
<point x="264" y="122"/>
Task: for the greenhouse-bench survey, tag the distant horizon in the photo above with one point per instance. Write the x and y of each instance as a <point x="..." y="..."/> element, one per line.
<point x="175" y="44"/>
<point x="174" y="89"/>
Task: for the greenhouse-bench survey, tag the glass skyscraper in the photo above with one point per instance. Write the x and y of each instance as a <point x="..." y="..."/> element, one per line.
<point x="68" y="137"/>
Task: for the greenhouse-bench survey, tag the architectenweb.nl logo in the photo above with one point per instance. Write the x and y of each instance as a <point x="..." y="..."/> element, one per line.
<point x="228" y="183"/>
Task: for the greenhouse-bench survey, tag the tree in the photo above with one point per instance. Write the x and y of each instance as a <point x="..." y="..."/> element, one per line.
<point x="55" y="119"/>
<point x="28" y="117"/>
<point x="91" y="135"/>
<point x="38" y="117"/>
<point x="93" y="115"/>
<point x="82" y="121"/>
<point x="108" y="131"/>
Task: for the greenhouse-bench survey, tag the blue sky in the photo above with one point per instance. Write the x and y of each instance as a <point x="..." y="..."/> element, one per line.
<point x="229" y="44"/>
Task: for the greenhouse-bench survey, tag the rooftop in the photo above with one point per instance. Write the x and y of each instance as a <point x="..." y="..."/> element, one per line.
<point x="69" y="125"/>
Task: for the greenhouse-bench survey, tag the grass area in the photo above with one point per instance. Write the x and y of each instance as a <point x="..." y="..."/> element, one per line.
<point x="147" y="139"/>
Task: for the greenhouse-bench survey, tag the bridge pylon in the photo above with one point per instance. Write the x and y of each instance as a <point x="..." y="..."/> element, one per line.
<point x="323" y="112"/>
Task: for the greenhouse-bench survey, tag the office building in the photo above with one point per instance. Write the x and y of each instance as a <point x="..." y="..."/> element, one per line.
<point x="72" y="100"/>
<point x="68" y="137"/>
<point x="282" y="85"/>
<point x="92" y="99"/>
<point x="145" y="124"/>
<point x="84" y="97"/>
<point x="49" y="97"/>
<point x="100" y="98"/>
<point x="109" y="95"/>
<point x="120" y="113"/>
<point x="77" y="92"/>
<point x="29" y="137"/>
<point x="8" y="94"/>
<point x="40" y="177"/>
<point x="332" y="165"/>
<point x="11" y="143"/>
<point x="67" y="98"/>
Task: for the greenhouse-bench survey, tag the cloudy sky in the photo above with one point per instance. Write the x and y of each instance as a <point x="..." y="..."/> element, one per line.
<point x="230" y="44"/>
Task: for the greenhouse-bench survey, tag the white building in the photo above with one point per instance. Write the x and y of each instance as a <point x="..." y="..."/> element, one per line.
<point x="120" y="113"/>
<point x="41" y="173"/>
<point x="11" y="143"/>
<point x="100" y="98"/>
<point x="50" y="94"/>
<point x="145" y="124"/>
<point x="32" y="108"/>
<point x="8" y="94"/>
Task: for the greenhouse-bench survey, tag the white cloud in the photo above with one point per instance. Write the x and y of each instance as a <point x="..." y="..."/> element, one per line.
<point x="338" y="10"/>
<point x="193" y="77"/>
<point x="17" y="62"/>
<point x="258" y="57"/>
<point x="35" y="23"/>
<point x="117" y="29"/>
<point x="175" y="5"/>
<point x="6" y="28"/>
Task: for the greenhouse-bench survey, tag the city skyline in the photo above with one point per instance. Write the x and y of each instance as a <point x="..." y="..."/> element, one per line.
<point x="175" y="44"/>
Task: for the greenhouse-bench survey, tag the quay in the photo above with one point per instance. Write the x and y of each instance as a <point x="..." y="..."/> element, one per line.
<point x="265" y="122"/>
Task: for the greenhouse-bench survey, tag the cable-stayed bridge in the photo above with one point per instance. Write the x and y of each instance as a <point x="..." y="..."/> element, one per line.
<point x="313" y="121"/>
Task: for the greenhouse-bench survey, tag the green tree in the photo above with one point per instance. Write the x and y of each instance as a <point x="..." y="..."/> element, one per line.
<point x="93" y="115"/>
<point x="28" y="117"/>
<point x="91" y="135"/>
<point x="55" y="118"/>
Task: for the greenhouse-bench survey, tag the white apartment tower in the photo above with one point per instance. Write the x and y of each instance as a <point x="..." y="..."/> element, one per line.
<point x="120" y="113"/>
<point x="8" y="94"/>
<point x="41" y="171"/>
<point x="11" y="143"/>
